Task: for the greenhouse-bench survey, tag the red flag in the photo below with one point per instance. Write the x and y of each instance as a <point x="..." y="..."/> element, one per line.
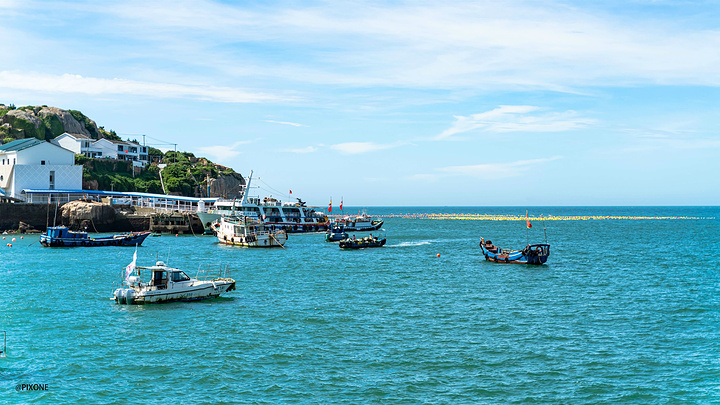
<point x="341" y="201"/>
<point x="529" y="225"/>
<point x="290" y="191"/>
<point x="330" y="207"/>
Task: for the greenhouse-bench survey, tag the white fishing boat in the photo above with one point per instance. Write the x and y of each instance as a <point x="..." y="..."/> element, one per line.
<point x="359" y="223"/>
<point x="161" y="283"/>
<point x="291" y="217"/>
<point x="248" y="232"/>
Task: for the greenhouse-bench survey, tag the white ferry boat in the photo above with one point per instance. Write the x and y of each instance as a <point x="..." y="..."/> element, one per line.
<point x="248" y="232"/>
<point x="291" y="217"/>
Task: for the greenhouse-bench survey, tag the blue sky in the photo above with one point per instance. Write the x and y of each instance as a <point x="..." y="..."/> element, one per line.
<point x="519" y="103"/>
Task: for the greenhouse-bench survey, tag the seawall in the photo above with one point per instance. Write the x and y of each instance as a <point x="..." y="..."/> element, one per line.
<point x="36" y="217"/>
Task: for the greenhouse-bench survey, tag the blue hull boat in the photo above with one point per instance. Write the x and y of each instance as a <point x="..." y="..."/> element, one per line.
<point x="532" y="254"/>
<point x="61" y="236"/>
<point x="336" y="233"/>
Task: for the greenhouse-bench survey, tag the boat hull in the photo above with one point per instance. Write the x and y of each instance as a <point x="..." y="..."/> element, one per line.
<point x="117" y="240"/>
<point x="361" y="244"/>
<point x="208" y="290"/>
<point x="361" y="226"/>
<point x="255" y="241"/>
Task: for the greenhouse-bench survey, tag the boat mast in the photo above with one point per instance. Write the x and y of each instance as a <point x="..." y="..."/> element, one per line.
<point x="247" y="187"/>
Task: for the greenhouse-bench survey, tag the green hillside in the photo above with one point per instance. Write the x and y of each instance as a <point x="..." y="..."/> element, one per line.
<point x="183" y="173"/>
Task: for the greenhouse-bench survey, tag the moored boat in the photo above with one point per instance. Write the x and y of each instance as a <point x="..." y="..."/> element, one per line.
<point x="61" y="236"/>
<point x="531" y="254"/>
<point x="291" y="217"/>
<point x="248" y="232"/>
<point x="336" y="233"/>
<point x="167" y="284"/>
<point x="359" y="223"/>
<point x="361" y="243"/>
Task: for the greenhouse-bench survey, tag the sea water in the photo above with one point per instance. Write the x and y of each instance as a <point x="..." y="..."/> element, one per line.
<point x="626" y="310"/>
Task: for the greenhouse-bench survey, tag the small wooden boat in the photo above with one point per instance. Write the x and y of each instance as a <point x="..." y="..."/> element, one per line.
<point x="166" y="284"/>
<point x="366" y="242"/>
<point x="532" y="254"/>
<point x="61" y="236"/>
<point x="336" y="233"/>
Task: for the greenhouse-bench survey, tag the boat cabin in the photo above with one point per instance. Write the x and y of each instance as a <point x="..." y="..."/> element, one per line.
<point x="62" y="232"/>
<point x="161" y="274"/>
<point x="539" y="250"/>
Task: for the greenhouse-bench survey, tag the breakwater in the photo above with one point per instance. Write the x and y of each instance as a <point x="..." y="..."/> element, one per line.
<point x="509" y="217"/>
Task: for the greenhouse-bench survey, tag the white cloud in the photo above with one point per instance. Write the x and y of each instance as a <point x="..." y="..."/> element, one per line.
<point x="309" y="149"/>
<point x="455" y="44"/>
<point x="488" y="171"/>
<point x="69" y="83"/>
<point x="516" y="118"/>
<point x="293" y="124"/>
<point x="465" y="45"/>
<point x="222" y="153"/>
<point x="354" y="148"/>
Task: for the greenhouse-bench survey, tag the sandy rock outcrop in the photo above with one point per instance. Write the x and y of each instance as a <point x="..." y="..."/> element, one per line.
<point x="87" y="214"/>
<point x="25" y="115"/>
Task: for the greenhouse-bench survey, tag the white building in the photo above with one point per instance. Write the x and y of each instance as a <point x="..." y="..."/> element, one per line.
<point x="78" y="143"/>
<point x="122" y="150"/>
<point x="34" y="164"/>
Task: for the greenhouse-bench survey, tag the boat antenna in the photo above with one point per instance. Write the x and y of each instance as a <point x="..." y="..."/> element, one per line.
<point x="544" y="231"/>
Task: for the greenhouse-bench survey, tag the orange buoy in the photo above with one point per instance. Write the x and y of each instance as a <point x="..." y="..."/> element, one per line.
<point x="13" y="239"/>
<point x="438" y="255"/>
<point x="176" y="235"/>
<point x="22" y="237"/>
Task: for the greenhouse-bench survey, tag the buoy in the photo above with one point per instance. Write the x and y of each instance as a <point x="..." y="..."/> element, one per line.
<point x="9" y="244"/>
<point x="176" y="235"/>
<point x="22" y="237"/>
<point x="438" y="255"/>
<point x="13" y="239"/>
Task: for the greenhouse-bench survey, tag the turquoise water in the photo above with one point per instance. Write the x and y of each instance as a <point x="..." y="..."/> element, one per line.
<point x="625" y="311"/>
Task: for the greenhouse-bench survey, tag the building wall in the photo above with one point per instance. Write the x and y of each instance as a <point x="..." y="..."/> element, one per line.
<point x="109" y="149"/>
<point x="38" y="177"/>
<point x="67" y="142"/>
<point x="51" y="154"/>
<point x="6" y="166"/>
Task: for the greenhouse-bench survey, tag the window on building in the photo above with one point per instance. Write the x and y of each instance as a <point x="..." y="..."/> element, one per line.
<point x="42" y="162"/>
<point x="120" y="148"/>
<point x="52" y="180"/>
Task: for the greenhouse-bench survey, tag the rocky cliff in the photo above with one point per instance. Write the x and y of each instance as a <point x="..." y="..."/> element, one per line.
<point x="46" y="123"/>
<point x="226" y="185"/>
